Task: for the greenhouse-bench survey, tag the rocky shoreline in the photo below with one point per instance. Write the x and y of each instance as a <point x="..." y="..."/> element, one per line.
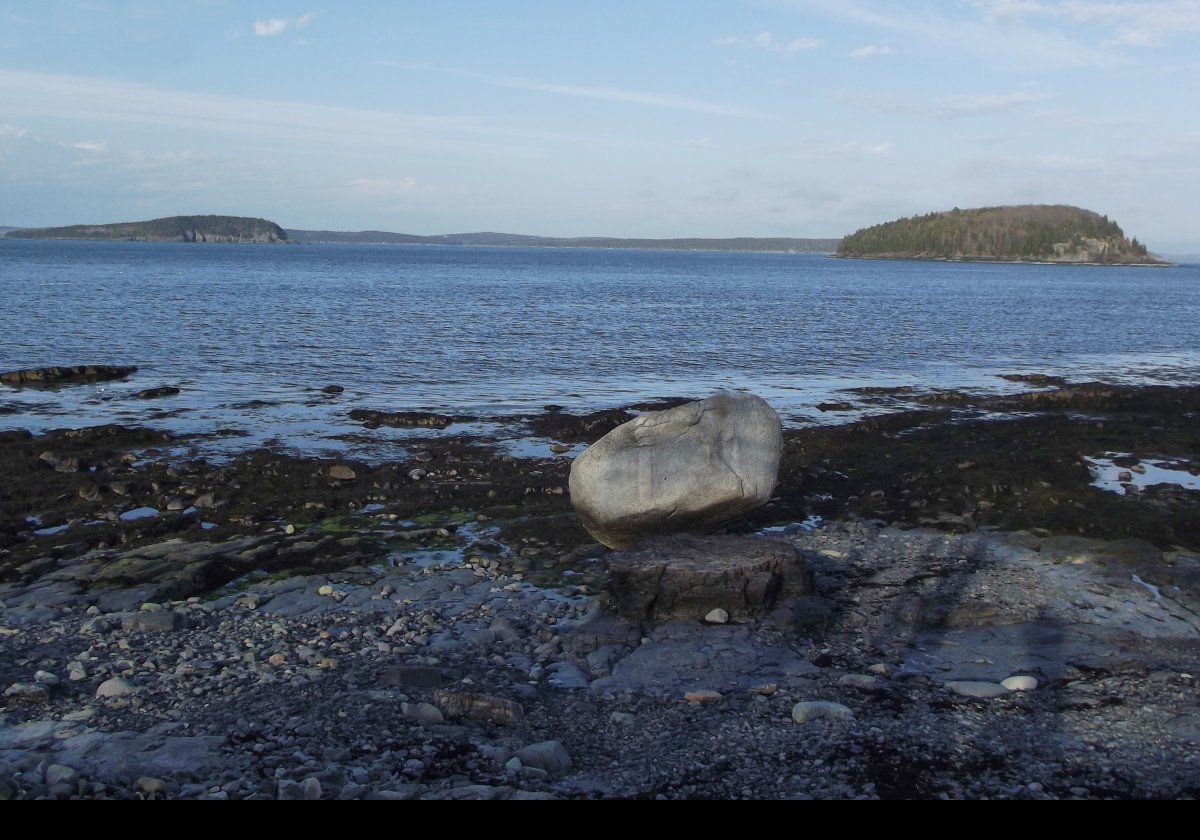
<point x="440" y="627"/>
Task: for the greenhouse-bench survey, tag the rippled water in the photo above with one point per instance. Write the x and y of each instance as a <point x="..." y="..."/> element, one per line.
<point x="251" y="333"/>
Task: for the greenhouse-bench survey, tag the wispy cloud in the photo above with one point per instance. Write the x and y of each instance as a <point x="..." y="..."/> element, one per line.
<point x="650" y="99"/>
<point x="1090" y="119"/>
<point x="872" y="50"/>
<point x="139" y="161"/>
<point x="821" y="148"/>
<point x="859" y="149"/>
<point x="275" y="26"/>
<point x="90" y="146"/>
<point x="108" y="101"/>
<point x="1124" y="23"/>
<point x="632" y="97"/>
<point x="12" y="131"/>
<point x="946" y="107"/>
<point x="386" y="186"/>
<point x="1067" y="162"/>
<point x="767" y="41"/>
<point x="980" y="33"/>
<point x="267" y="28"/>
<point x="88" y="98"/>
<point x="967" y="105"/>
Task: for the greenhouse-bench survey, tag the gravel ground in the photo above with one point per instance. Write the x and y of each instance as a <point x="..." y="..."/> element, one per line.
<point x="460" y="680"/>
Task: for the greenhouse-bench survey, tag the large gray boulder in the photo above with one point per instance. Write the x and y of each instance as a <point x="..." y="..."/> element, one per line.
<point x="690" y="468"/>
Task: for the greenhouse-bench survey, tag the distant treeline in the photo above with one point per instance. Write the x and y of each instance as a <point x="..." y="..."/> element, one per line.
<point x="170" y="229"/>
<point x="1036" y="232"/>
<point x="245" y="229"/>
<point x="375" y="237"/>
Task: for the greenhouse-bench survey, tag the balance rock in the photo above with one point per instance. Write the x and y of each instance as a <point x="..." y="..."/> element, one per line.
<point x="690" y="468"/>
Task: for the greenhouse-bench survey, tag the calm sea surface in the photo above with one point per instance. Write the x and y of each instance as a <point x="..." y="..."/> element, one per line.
<point x="251" y="333"/>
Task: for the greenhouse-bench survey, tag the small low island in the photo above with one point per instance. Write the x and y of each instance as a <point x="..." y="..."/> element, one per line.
<point x="170" y="229"/>
<point x="1026" y="233"/>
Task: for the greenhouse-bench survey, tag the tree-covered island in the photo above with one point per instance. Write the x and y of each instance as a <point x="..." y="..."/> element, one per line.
<point x="169" y="229"/>
<point x="1024" y="233"/>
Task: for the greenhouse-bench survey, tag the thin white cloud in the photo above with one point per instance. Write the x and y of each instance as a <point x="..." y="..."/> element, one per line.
<point x="986" y="103"/>
<point x="767" y="41"/>
<point x="86" y="98"/>
<point x="90" y="146"/>
<point x="386" y="186"/>
<point x="632" y="97"/>
<point x="275" y="26"/>
<point x="872" y="50"/>
<point x="822" y="149"/>
<point x="984" y="35"/>
<point x="12" y="131"/>
<point x="267" y="28"/>
<point x="1125" y="23"/>
<point x="946" y="107"/>
<point x="78" y="98"/>
<point x="870" y="150"/>
<point x="141" y="162"/>
<point x="1066" y="162"/>
<point x="1089" y="119"/>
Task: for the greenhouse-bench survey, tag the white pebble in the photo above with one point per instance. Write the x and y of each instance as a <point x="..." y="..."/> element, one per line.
<point x="115" y="687"/>
<point x="808" y="710"/>
<point x="1021" y="682"/>
<point x="978" y="690"/>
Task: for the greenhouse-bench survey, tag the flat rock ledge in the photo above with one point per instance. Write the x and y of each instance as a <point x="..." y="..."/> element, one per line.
<point x="686" y="577"/>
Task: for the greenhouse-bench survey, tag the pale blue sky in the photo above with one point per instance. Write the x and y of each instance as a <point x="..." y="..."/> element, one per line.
<point x="652" y="118"/>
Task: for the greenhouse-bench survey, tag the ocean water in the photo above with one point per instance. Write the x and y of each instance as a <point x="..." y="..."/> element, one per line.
<point x="250" y="334"/>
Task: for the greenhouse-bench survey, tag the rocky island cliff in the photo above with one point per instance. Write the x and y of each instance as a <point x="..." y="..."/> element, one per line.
<point x="1025" y="233"/>
<point x="169" y="229"/>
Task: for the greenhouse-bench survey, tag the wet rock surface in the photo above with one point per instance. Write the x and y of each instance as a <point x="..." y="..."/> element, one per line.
<point x="289" y="634"/>
<point x="156" y="393"/>
<point x="66" y="374"/>
<point x="400" y="419"/>
<point x="1001" y="462"/>
<point x="571" y="428"/>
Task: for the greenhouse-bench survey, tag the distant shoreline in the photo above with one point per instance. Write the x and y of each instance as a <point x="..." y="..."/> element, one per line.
<point x="743" y="245"/>
<point x="772" y="244"/>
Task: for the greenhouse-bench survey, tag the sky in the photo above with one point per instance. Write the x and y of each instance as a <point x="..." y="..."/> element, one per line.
<point x="652" y="118"/>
